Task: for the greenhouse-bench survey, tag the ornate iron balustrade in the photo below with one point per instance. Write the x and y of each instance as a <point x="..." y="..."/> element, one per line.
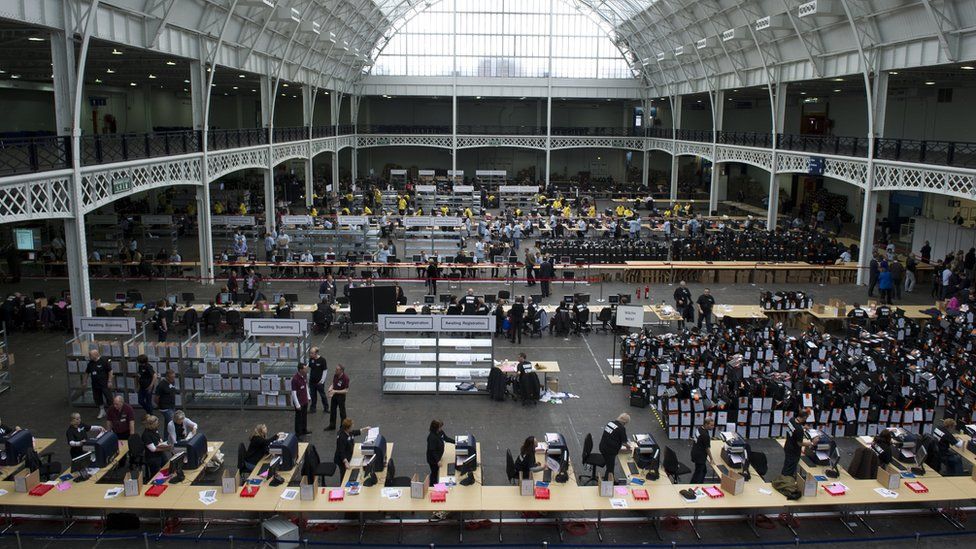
<point x="218" y="140"/>
<point x="19" y="155"/>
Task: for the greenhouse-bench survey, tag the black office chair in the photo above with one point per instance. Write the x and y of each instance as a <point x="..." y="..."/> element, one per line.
<point x="392" y="480"/>
<point x="672" y="467"/>
<point x="759" y="463"/>
<point x="137" y="455"/>
<point x="504" y="294"/>
<point x="101" y="311"/>
<point x="510" y="470"/>
<point x="235" y="322"/>
<point x="118" y="311"/>
<point x="190" y="320"/>
<point x="605" y="316"/>
<point x="47" y="469"/>
<point x="242" y="469"/>
<point x="313" y="467"/>
<point x="211" y="321"/>
<point x="592" y="459"/>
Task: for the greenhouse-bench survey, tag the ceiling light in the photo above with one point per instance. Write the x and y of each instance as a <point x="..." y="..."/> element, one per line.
<point x="836" y="91"/>
<point x="930" y="83"/>
<point x="838" y="79"/>
<point x="479" y="97"/>
<point x="699" y="100"/>
<point x="186" y="90"/>
<point x="35" y="39"/>
<point x="967" y="67"/>
<point x="171" y="63"/>
<point x="133" y="84"/>
<point x="152" y="76"/>
<point x="235" y="87"/>
<point x="110" y="71"/>
<point x="294" y="97"/>
<point x="325" y="93"/>
<point x="225" y="93"/>
<point x="116" y="52"/>
<point x="285" y="84"/>
<point x="3" y="71"/>
<point x="283" y="95"/>
<point x="522" y="98"/>
<point x="98" y="81"/>
<point x="803" y="93"/>
<point x="252" y="91"/>
<point x="735" y="90"/>
<point x="893" y="72"/>
<point x="15" y="76"/>
<point x="240" y="76"/>
<point x="186" y="81"/>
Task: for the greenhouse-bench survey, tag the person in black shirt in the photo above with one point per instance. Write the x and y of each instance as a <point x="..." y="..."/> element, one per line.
<point x="156" y="449"/>
<point x="453" y="308"/>
<point x="431" y="274"/>
<point x="257" y="446"/>
<point x="99" y="370"/>
<point x="515" y="317"/>
<point x="951" y="461"/>
<point x="614" y="438"/>
<point x="882" y="446"/>
<point x="435" y="449"/>
<point x="318" y="369"/>
<point x="147" y="382"/>
<point x="166" y="391"/>
<point x="701" y="451"/>
<point x="78" y="433"/>
<point x="793" y="448"/>
<point x="525" y="463"/>
<point x="705" y="303"/>
<point x="345" y="442"/>
<point x="926" y="253"/>
<point x="682" y="304"/>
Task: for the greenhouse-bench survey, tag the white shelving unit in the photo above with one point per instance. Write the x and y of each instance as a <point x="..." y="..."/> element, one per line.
<point x="434" y="365"/>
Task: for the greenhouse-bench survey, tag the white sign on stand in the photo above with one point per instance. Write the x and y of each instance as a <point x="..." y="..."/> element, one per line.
<point x="406" y="323"/>
<point x="630" y="315"/>
<point x="426" y="188"/>
<point x="398" y="172"/>
<point x="296" y="220"/>
<point x="465" y="323"/>
<point x="117" y="325"/>
<point x="284" y="327"/>
<point x="353" y="220"/>
<point x="436" y="323"/>
<point x="156" y="220"/>
<point x="232" y="220"/>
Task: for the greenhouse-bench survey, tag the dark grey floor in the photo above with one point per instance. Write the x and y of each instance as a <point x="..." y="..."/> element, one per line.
<point x="38" y="401"/>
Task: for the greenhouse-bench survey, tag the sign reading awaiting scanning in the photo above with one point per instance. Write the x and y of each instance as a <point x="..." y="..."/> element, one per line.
<point x="284" y="327"/>
<point x="436" y="323"/>
<point x="120" y="325"/>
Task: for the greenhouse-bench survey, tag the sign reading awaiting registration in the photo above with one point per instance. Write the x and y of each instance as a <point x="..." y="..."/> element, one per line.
<point x="121" y="184"/>
<point x="119" y="325"/>
<point x="283" y="327"/>
<point x="436" y="323"/>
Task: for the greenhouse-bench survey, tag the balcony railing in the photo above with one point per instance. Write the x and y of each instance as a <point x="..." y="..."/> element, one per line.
<point x="22" y="154"/>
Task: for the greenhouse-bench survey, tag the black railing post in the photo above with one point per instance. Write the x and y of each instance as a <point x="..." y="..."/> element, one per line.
<point x="32" y="155"/>
<point x="921" y="151"/>
<point x="66" y="148"/>
<point x="898" y="149"/>
<point x="950" y="153"/>
<point x="98" y="149"/>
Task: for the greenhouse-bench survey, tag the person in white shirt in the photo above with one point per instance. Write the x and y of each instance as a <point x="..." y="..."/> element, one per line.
<point x="283" y="241"/>
<point x="845" y="256"/>
<point x="180" y="428"/>
<point x="667" y="228"/>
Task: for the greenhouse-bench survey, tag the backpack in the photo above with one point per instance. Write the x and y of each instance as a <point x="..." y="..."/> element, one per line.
<point x="788" y="487"/>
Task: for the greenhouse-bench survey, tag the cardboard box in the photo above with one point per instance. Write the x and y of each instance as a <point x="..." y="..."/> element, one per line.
<point x="606" y="487"/>
<point x="418" y="488"/>
<point x="833" y="280"/>
<point x="25" y="481"/>
<point x="526" y="486"/>
<point x="889" y="477"/>
<point x="733" y="483"/>
<point x="819" y="308"/>
<point x="132" y="483"/>
<point x="553" y="384"/>
<point x="306" y="491"/>
<point x="230" y="482"/>
<point x="807" y="484"/>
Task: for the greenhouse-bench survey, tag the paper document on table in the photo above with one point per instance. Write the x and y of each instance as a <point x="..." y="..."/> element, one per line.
<point x="908" y="454"/>
<point x="290" y="494"/>
<point x="736" y="459"/>
<point x="822" y="456"/>
<point x="618" y="503"/>
<point x="356" y="462"/>
<point x="866" y="439"/>
<point x="552" y="464"/>
<point x="886" y="493"/>
<point x="113" y="492"/>
<point x="391" y="493"/>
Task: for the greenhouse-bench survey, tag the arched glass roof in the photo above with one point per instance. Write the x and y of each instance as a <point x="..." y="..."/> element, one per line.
<point x="501" y="38"/>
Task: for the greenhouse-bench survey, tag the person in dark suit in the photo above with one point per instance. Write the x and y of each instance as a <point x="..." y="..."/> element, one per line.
<point x="613" y="439"/>
<point x="701" y="451"/>
<point x="525" y="463"/>
<point x="435" y="449"/>
<point x="345" y="442"/>
<point x="546" y="273"/>
<point x="515" y="316"/>
<point x="432" y="273"/>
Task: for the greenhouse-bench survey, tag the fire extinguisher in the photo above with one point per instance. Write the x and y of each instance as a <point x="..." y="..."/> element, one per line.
<point x="647" y="291"/>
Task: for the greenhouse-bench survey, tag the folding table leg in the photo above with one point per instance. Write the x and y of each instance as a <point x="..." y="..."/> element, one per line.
<point x="599" y="525"/>
<point x="460" y="526"/>
<point x="499" y="527"/>
<point x="694" y="525"/>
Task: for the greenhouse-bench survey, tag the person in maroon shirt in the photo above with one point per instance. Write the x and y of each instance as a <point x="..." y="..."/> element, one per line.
<point x="299" y="399"/>
<point x="337" y="393"/>
<point x="121" y="418"/>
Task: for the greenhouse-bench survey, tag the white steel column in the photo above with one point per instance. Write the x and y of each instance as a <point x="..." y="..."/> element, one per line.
<point x="63" y="68"/>
<point x="454" y="71"/>
<point x="308" y="104"/>
<point x="779" y="114"/>
<point x="718" y="113"/>
<point x="353" y="119"/>
<point x="646" y="160"/>
<point x="335" y="99"/>
<point x="549" y="101"/>
<point x="198" y="99"/>
<point x="267" y="118"/>
<point x="879" y="100"/>
<point x="676" y="125"/>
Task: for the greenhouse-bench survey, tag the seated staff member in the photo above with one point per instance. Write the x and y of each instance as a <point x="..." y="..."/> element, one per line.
<point x="345" y="442"/>
<point x="882" y="446"/>
<point x="701" y="451"/>
<point x="857" y="318"/>
<point x="525" y="463"/>
<point x="181" y="428"/>
<point x="121" y="418"/>
<point x="951" y="462"/>
<point x="257" y="446"/>
<point x="157" y="451"/>
<point x="793" y="448"/>
<point x="78" y="433"/>
<point x="7" y="430"/>
<point x="435" y="449"/>
<point x="614" y="438"/>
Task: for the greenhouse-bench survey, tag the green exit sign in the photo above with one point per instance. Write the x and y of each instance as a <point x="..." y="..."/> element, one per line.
<point x="121" y="184"/>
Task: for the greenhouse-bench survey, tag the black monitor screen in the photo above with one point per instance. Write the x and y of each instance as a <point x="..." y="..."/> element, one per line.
<point x="430" y="299"/>
<point x="614" y="299"/>
<point x="445" y="298"/>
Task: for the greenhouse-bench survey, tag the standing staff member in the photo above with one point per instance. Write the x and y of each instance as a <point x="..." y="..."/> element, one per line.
<point x="614" y="438"/>
<point x="121" y="418"/>
<point x="701" y="451"/>
<point x="299" y="399"/>
<point x="166" y="391"/>
<point x="345" y="442"/>
<point x="337" y="393"/>
<point x="793" y="449"/>
<point x="435" y="449"/>
<point x="99" y="370"/>
<point x="147" y="382"/>
<point x="316" y="379"/>
<point x="705" y="303"/>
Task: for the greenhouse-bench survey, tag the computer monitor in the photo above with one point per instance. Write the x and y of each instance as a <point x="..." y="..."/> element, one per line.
<point x="582" y="299"/>
<point x="430" y="299"/>
<point x="490" y="298"/>
<point x="565" y="260"/>
<point x="120" y="297"/>
<point x="536" y="298"/>
<point x="330" y="256"/>
<point x="624" y="299"/>
<point x="171" y="299"/>
<point x="921" y="453"/>
<point x="291" y="298"/>
<point x="418" y="258"/>
<point x="226" y="298"/>
<point x="104" y="447"/>
<point x="16" y="447"/>
<point x="80" y="465"/>
<point x="176" y="467"/>
<point x="195" y="448"/>
<point x="569" y="298"/>
<point x="187" y="297"/>
<point x="134" y="297"/>
<point x="467" y="468"/>
<point x="445" y="298"/>
<point x="287" y="448"/>
<point x="367" y="258"/>
<point x="614" y="299"/>
<point x="498" y="259"/>
<point x="276" y="297"/>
